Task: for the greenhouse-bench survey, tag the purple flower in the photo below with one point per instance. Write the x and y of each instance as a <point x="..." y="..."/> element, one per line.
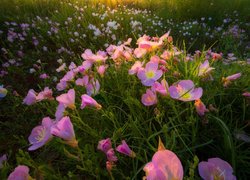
<point x="30" y="98"/>
<point x="82" y="81"/>
<point x="21" y="172"/>
<point x="40" y="135"/>
<point x="44" y="76"/>
<point x="124" y="149"/>
<point x="104" y="145"/>
<point x="216" y="168"/>
<point x="184" y="91"/>
<point x="150" y="74"/>
<point x="64" y="129"/>
<point x="93" y="87"/>
<point x="59" y="111"/>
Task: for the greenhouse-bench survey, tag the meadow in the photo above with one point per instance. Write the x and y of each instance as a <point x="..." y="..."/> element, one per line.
<point x="112" y="89"/>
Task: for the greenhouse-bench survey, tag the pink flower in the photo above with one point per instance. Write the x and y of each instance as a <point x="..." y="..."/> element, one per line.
<point x="149" y="98"/>
<point x="68" y="99"/>
<point x="82" y="81"/>
<point x="64" y="129"/>
<point x="60" y="111"/>
<point x="40" y="135"/>
<point x="136" y="67"/>
<point x="72" y="66"/>
<point x="61" y="68"/>
<point x="45" y="94"/>
<point x="227" y="81"/>
<point x="104" y="145"/>
<point x="21" y="172"/>
<point x="111" y="155"/>
<point x="93" y="87"/>
<point x="200" y="107"/>
<point x="233" y="77"/>
<point x="109" y="166"/>
<point x="145" y="43"/>
<point x="124" y="149"/>
<point x="30" y="98"/>
<point x="101" y="70"/>
<point x="216" y="168"/>
<point x="164" y="165"/>
<point x="44" y="76"/>
<point x="246" y="94"/>
<point x="161" y="88"/>
<point x="204" y="69"/>
<point x="94" y="58"/>
<point x="139" y="52"/>
<point x="184" y="91"/>
<point x="61" y="85"/>
<point x="150" y="74"/>
<point x="69" y="76"/>
<point x="89" y="101"/>
<point x="216" y="56"/>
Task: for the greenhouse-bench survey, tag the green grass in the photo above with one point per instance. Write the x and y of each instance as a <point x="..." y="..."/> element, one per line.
<point x="123" y="116"/>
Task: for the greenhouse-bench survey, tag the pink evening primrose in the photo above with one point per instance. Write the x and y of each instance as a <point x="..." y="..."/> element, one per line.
<point x="100" y="56"/>
<point x="140" y="52"/>
<point x="59" y="111"/>
<point x="216" y="168"/>
<point x="40" y="135"/>
<point x="184" y="91"/>
<point x="164" y="165"/>
<point x="124" y="149"/>
<point x="3" y="92"/>
<point x="200" y="107"/>
<point x="44" y="76"/>
<point x="67" y="99"/>
<point x="82" y="81"/>
<point x="150" y="74"/>
<point x="149" y="98"/>
<point x="111" y="155"/>
<point x="64" y="129"/>
<point x="227" y="81"/>
<point x="21" y="172"/>
<point x="93" y="87"/>
<point x="101" y="70"/>
<point x="89" y="101"/>
<point x="136" y="67"/>
<point x="161" y="88"/>
<point x="204" y="69"/>
<point x="104" y="145"/>
<point x="30" y="98"/>
<point x="45" y="94"/>
<point x="246" y="94"/>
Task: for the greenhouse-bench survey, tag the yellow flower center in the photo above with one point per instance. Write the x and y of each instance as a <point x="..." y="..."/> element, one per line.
<point x="150" y="74"/>
<point x="41" y="134"/>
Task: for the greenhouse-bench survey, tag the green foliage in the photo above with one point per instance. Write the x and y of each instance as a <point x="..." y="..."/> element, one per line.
<point x="123" y="116"/>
